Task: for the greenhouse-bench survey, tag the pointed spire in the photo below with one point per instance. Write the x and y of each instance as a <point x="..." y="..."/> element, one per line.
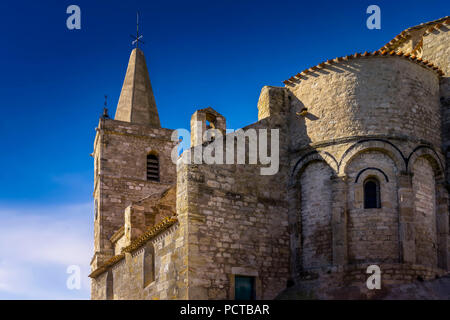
<point x="137" y="103"/>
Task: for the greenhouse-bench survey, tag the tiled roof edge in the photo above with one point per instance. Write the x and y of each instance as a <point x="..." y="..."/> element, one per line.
<point x="378" y="53"/>
<point x="150" y="233"/>
<point x="136" y="244"/>
<point x="405" y="34"/>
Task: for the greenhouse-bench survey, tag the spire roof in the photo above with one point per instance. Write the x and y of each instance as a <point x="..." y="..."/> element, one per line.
<point x="137" y="103"/>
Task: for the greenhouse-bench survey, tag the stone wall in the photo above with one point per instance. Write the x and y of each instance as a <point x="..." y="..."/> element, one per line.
<point x="372" y="233"/>
<point x="237" y="222"/>
<point x="349" y="282"/>
<point x="356" y="97"/>
<point x="366" y="117"/>
<point x="98" y="287"/>
<point x="315" y="224"/>
<point x="121" y="149"/>
<point x="357" y="132"/>
<point x="273" y="101"/>
<point x="436" y="48"/>
<point x="170" y="263"/>
<point x="380" y="235"/>
<point x="425" y="212"/>
<point x="413" y="40"/>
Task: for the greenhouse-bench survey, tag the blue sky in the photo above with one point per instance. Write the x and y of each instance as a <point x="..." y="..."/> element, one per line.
<point x="199" y="54"/>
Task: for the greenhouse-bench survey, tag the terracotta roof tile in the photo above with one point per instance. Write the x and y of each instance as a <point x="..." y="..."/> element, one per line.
<point x="405" y="34"/>
<point x="136" y="244"/>
<point x="411" y="57"/>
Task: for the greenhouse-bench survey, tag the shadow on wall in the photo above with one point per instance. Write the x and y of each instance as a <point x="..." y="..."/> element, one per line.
<point x="333" y="222"/>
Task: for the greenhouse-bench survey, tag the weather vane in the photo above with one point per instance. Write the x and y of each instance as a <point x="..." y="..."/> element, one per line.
<point x="105" y="109"/>
<point x="138" y="37"/>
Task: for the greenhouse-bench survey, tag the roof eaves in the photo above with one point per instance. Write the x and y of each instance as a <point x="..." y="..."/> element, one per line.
<point x="424" y="63"/>
<point x="136" y="244"/>
<point x="406" y="34"/>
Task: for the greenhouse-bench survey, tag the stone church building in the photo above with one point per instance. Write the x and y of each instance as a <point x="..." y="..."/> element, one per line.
<point x="363" y="180"/>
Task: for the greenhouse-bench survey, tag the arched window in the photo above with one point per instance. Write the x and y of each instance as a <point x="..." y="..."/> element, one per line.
<point x="109" y="286"/>
<point x="149" y="264"/>
<point x="371" y="193"/>
<point x="152" y="167"/>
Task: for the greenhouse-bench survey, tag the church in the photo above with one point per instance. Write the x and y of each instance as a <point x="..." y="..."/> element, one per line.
<point x="363" y="180"/>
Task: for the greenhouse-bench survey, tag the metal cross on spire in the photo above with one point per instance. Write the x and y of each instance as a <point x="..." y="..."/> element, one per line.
<point x="138" y="36"/>
<point x="105" y="109"/>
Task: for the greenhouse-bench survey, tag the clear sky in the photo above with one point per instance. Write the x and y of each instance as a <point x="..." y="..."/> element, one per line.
<point x="199" y="53"/>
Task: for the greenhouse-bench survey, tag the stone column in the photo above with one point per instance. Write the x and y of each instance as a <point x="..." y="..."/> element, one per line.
<point x="442" y="225"/>
<point x="406" y="218"/>
<point x="339" y="220"/>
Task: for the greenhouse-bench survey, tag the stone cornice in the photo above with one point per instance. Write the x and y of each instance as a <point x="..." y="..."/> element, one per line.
<point x="137" y="136"/>
<point x="118" y="234"/>
<point x="350" y="139"/>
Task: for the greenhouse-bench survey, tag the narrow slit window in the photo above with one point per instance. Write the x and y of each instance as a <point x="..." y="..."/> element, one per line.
<point x="372" y="194"/>
<point x="152" y="168"/>
<point x="149" y="265"/>
<point x="109" y="286"/>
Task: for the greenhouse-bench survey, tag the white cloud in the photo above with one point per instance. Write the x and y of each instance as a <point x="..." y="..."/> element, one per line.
<point x="37" y="244"/>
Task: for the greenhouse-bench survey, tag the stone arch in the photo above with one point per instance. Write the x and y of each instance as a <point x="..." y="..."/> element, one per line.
<point x="431" y="155"/>
<point x="380" y="145"/>
<point x="152" y="152"/>
<point x="371" y="190"/>
<point x="363" y="174"/>
<point x="301" y="164"/>
<point x="315" y="203"/>
<point x="357" y="185"/>
<point x="295" y="211"/>
<point x="372" y="230"/>
<point x="211" y="120"/>
<point x="428" y="190"/>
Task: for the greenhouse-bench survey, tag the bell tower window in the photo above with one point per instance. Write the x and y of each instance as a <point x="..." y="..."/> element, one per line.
<point x="152" y="167"/>
<point x="149" y="264"/>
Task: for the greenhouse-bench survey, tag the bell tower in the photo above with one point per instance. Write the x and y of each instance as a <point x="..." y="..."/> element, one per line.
<point x="129" y="152"/>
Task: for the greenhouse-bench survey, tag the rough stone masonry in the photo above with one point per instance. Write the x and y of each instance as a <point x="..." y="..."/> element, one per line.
<point x="363" y="179"/>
